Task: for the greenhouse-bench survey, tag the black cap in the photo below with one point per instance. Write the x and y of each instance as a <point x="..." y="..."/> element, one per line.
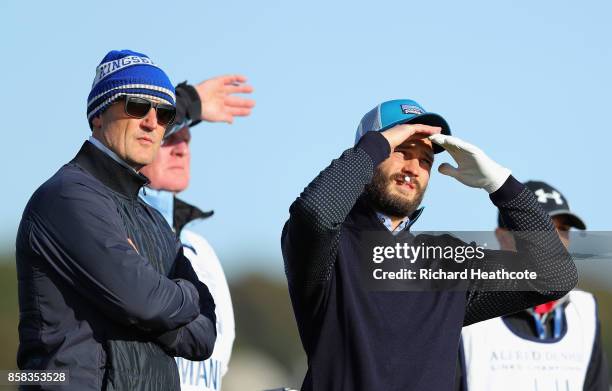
<point x="553" y="202"/>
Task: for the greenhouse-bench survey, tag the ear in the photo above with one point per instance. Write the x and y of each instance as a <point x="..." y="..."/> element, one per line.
<point x="96" y="122"/>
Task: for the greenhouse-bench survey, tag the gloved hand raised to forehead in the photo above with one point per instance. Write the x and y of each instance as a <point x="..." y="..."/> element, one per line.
<point x="475" y="168"/>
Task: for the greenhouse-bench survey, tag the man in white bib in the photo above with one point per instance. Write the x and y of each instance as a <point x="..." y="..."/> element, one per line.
<point x="213" y="100"/>
<point x="555" y="346"/>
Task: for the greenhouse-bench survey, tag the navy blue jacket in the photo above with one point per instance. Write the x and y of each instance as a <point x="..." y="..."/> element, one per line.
<point x="359" y="339"/>
<point x="111" y="313"/>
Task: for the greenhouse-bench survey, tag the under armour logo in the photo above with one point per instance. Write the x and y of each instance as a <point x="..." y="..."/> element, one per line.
<point x="543" y="196"/>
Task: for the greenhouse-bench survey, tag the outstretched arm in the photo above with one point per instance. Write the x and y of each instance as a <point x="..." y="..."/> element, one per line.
<point x="213" y="100"/>
<point x="538" y="245"/>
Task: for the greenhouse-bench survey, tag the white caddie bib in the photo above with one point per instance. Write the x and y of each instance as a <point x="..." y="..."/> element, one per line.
<point x="207" y="375"/>
<point x="497" y="359"/>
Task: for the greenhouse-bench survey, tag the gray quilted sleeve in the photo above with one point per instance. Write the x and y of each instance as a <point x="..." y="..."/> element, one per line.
<point x="538" y="247"/>
<point x="310" y="236"/>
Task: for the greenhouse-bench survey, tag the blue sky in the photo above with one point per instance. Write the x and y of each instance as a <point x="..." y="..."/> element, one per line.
<point x="528" y="82"/>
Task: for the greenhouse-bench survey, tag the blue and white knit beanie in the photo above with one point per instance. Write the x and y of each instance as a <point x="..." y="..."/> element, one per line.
<point x="124" y="72"/>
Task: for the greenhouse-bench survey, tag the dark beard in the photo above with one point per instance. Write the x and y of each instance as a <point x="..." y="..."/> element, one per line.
<point x="389" y="204"/>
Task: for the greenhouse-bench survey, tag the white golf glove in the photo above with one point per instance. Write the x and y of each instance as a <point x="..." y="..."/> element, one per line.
<point x="475" y="168"/>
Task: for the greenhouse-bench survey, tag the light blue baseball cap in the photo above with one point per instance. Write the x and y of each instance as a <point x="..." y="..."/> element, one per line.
<point x="400" y="111"/>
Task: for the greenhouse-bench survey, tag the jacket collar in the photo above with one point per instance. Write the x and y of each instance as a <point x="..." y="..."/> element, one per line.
<point x="365" y="216"/>
<point x="98" y="144"/>
<point x="112" y="174"/>
<point x="177" y="213"/>
<point x="185" y="213"/>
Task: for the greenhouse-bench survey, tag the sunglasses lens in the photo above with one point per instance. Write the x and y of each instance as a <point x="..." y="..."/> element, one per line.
<point x="137" y="107"/>
<point x="165" y="114"/>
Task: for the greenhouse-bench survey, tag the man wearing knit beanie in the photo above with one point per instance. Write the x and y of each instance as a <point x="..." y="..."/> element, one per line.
<point x="105" y="293"/>
<point x="129" y="76"/>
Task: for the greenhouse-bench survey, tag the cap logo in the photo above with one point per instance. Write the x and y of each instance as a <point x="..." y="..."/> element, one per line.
<point x="543" y="196"/>
<point x="113" y="66"/>
<point x="410" y="109"/>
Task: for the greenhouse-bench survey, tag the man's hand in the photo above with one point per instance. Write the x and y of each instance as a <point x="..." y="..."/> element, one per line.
<point x="475" y="168"/>
<point x="218" y="102"/>
<point x="400" y="133"/>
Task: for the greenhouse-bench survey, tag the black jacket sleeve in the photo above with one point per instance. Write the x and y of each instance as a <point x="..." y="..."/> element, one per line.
<point x="310" y="236"/>
<point x="195" y="340"/>
<point x="188" y="107"/>
<point x="538" y="248"/>
<point x="82" y="239"/>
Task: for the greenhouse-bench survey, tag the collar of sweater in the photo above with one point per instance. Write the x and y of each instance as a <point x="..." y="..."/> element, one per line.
<point x="365" y="216"/>
<point x="123" y="180"/>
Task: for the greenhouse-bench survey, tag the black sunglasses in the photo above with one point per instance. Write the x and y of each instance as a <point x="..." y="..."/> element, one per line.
<point x="139" y="107"/>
